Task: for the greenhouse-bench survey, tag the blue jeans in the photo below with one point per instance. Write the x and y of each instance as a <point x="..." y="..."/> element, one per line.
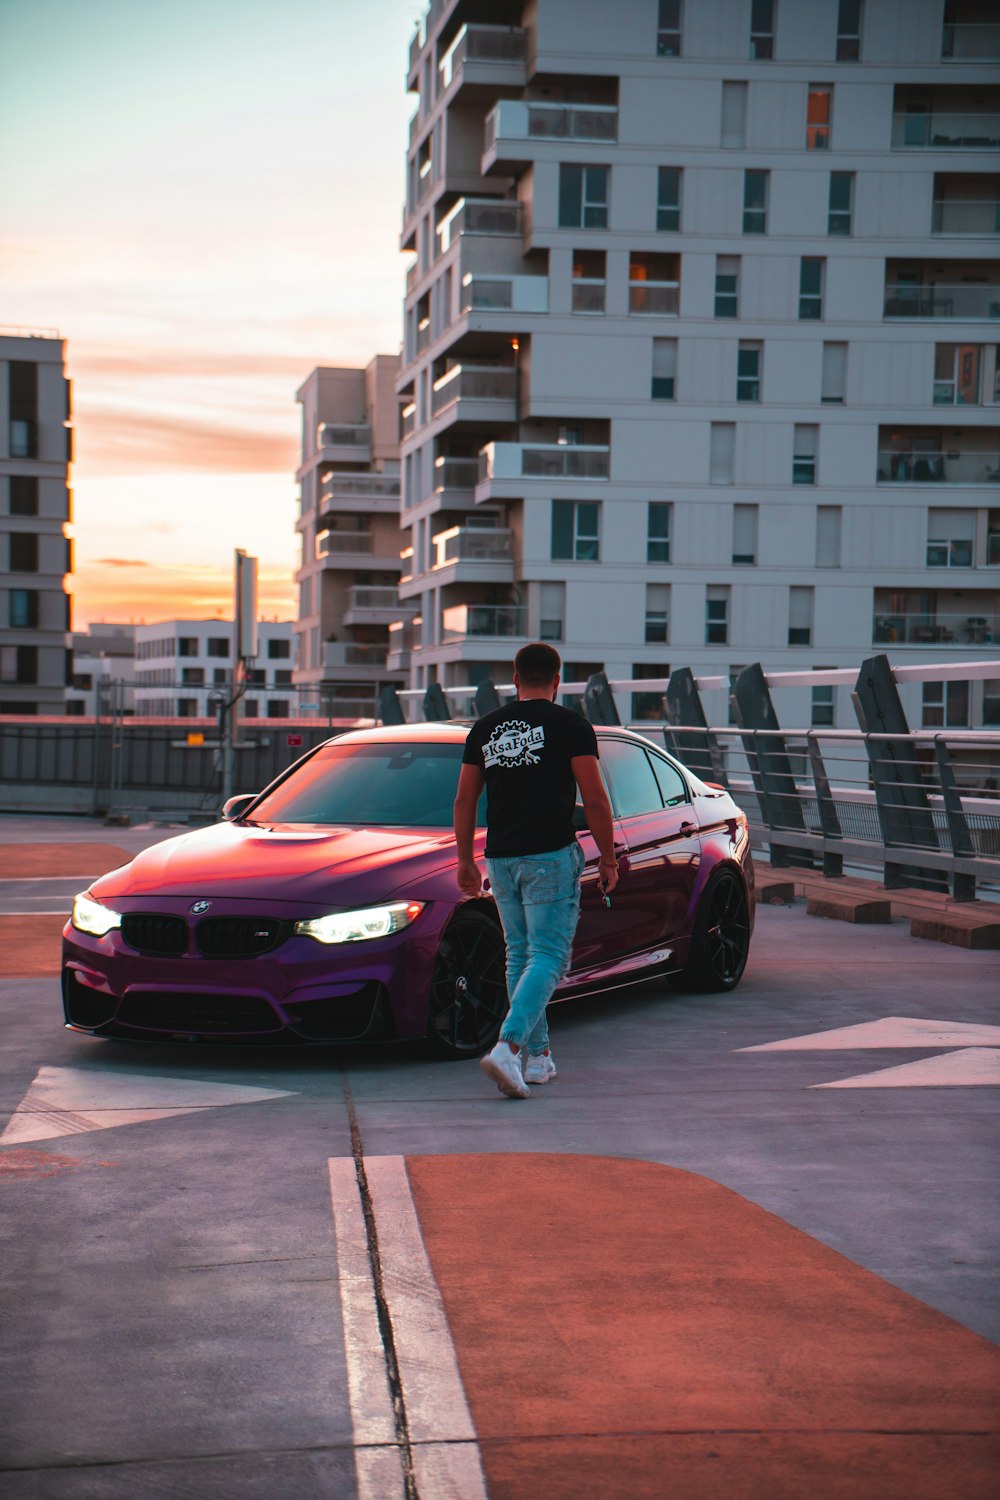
<point x="538" y="898"/>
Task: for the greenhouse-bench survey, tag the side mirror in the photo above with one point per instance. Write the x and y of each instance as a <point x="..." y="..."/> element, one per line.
<point x="237" y="806"/>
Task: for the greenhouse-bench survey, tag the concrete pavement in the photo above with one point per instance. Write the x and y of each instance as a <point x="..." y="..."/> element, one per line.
<point x="681" y="1268"/>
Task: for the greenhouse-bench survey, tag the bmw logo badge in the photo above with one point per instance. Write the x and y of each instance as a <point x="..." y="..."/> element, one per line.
<point x="199" y="907"/>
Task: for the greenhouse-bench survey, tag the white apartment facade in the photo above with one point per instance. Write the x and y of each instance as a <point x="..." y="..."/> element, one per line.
<point x="35" y="511"/>
<point x="700" y="343"/>
<point x="182" y="665"/>
<point x="103" y="677"/>
<point x="350" y="539"/>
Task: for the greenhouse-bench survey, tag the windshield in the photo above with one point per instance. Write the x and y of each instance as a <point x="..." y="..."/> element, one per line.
<point x="370" y="786"/>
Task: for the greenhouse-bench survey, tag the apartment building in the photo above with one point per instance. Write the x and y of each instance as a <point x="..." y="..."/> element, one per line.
<point x="35" y="509"/>
<point x="349" y="533"/>
<point x="103" y="675"/>
<point x="180" y="664"/>
<point x="701" y="341"/>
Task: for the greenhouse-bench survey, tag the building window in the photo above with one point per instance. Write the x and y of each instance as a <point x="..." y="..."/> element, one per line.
<point x="946" y="705"/>
<point x="256" y="677"/>
<point x="822" y="706"/>
<point x="648" y="705"/>
<point x="23" y="495"/>
<point x="654" y="282"/>
<point x="755" y="202"/>
<point x="23" y="439"/>
<point x="657" y="628"/>
<point x="23" y="552"/>
<point x="668" y="28"/>
<point x="828" y="525"/>
<point x="193" y="676"/>
<point x="282" y="678"/>
<point x="993" y="539"/>
<point x="841" y="203"/>
<point x="668" y="198"/>
<point x="23" y="605"/>
<point x="800" y="616"/>
<point x="187" y="645"/>
<point x="744" y="535"/>
<point x="277" y="708"/>
<point x="19" y="664"/>
<point x="219" y="676"/>
<point x="833" y="381"/>
<point x="576" y="531"/>
<point x="804" y="454"/>
<point x="664" y="369"/>
<point x="658" y="519"/>
<point x="717" y="614"/>
<point x="762" y="29"/>
<point x="748" y="361"/>
<point x="849" y="14"/>
<point x="583" y="197"/>
<point x="727" y="286"/>
<point x="279" y="650"/>
<point x="734" y="116"/>
<point x="810" y="288"/>
<point x="819" y="108"/>
<point x="991" y="703"/>
<point x="951" y="538"/>
<point x="589" y="281"/>
<point x="722" y="452"/>
<point x="957" y="374"/>
<point x="552" y="612"/>
<point x="217" y="645"/>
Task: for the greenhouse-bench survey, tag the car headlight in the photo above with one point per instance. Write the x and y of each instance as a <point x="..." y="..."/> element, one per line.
<point x="360" y="926"/>
<point x="90" y="916"/>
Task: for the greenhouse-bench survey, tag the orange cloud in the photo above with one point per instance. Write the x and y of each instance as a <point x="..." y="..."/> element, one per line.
<point x="126" y="441"/>
<point x="110" y="361"/>
<point x="106" y="591"/>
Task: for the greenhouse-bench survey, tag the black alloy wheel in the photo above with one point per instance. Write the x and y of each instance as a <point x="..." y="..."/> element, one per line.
<point x="468" y="994"/>
<point x="721" y="938"/>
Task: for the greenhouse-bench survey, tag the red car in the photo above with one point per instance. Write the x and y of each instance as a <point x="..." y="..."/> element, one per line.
<point x="325" y="908"/>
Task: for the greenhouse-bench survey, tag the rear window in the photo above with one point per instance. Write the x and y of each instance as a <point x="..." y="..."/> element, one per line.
<point x="369" y="786"/>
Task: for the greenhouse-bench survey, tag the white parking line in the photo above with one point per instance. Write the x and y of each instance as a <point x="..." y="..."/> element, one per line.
<point x="442" y="1438"/>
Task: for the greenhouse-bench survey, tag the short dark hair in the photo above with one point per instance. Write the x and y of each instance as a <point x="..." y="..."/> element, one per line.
<point x="538" y="664"/>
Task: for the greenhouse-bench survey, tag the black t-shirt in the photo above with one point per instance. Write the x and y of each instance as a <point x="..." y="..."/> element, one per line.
<point x="524" y="751"/>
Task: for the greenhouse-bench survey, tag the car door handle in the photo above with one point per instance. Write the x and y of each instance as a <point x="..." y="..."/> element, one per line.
<point x="687" y="827"/>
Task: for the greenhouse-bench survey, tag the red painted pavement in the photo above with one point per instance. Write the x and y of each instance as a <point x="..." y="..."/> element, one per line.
<point x="625" y="1329"/>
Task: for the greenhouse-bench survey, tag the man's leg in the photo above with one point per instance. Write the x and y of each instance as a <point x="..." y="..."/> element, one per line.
<point x="549" y="886"/>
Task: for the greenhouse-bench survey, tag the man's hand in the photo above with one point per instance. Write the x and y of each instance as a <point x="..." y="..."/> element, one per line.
<point x="607" y="876"/>
<point x="470" y="882"/>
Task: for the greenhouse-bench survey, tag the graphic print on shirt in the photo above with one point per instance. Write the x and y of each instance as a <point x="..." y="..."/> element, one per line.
<point x="514" y="744"/>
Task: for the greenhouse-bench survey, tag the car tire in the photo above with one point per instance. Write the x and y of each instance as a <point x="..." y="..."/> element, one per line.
<point x="468" y="993"/>
<point x="721" y="939"/>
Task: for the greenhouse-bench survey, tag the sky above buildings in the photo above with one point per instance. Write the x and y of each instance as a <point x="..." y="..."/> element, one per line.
<point x="204" y="197"/>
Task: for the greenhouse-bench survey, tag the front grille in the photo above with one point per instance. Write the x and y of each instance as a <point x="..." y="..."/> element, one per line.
<point x="195" y="1013"/>
<point x="154" y="933"/>
<point x="240" y="937"/>
<point x="343" y="1018"/>
<point x="85" y="1006"/>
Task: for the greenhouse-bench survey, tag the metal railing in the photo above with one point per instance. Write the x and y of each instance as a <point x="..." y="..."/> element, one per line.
<point x="975" y="216"/>
<point x="475" y="383"/>
<point x="913" y="466"/>
<point x="904" y="300"/>
<point x="957" y="130"/>
<point x="502" y="216"/>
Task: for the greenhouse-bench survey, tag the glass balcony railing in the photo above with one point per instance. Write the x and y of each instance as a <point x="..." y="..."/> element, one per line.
<point x="519" y="120"/>
<point x="494" y="216"/>
<point x="544" y="461"/>
<point x="527" y="294"/>
<point x="373" y="597"/>
<point x="338" y="543"/>
<point x="971" y="41"/>
<point x="659" y="298"/>
<point x="411" y="276"/>
<point x="406" y="566"/>
<point x="344" y="435"/>
<point x="961" y="628"/>
<point x="911" y="466"/>
<point x="958" y="303"/>
<point x="965" y="216"/>
<point x="344" y="484"/>
<point x="475" y="383"/>
<point x="408" y="420"/>
<point x="352" y="654"/>
<point x="483" y="44"/>
<point x="464" y="621"/>
<point x="946" y="131"/>
<point x="472" y="544"/>
<point x="456" y="474"/>
<point x="588" y="293"/>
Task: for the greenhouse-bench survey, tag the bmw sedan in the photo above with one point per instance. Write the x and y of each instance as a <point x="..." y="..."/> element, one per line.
<point x="326" y="909"/>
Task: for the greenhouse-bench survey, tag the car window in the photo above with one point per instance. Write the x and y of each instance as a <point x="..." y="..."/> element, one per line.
<point x="672" y="784"/>
<point x="634" y="787"/>
<point x="379" y="785"/>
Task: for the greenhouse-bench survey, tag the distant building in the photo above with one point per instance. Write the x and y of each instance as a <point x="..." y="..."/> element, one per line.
<point x="35" y="507"/>
<point x="350" y="566"/>
<point x="700" y="351"/>
<point x="179" y="663"/>
<point x="103" y="670"/>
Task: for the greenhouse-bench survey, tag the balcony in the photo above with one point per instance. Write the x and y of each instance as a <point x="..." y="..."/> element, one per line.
<point x="974" y="621"/>
<point x="654" y="298"/>
<point x="455" y="479"/>
<point x="488" y="216"/>
<point x="404" y="636"/>
<point x="473" y="554"/>
<point x="916" y="465"/>
<point x="514" y="461"/>
<point x="371" y="604"/>
<point x="512" y="122"/>
<point x="378" y="493"/>
<point x="406" y="565"/>
<point x="944" y="303"/>
<point x="970" y="216"/>
<point x="479" y="393"/>
<point x="946" y="130"/>
<point x="484" y="56"/>
<point x="974" y="40"/>
<point x="462" y="622"/>
<point x="340" y="654"/>
<point x="408" y="420"/>
<point x="348" y="443"/>
<point x="347" y="546"/>
<point x="517" y="294"/>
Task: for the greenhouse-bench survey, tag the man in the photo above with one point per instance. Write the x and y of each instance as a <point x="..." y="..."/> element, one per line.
<point x="531" y="756"/>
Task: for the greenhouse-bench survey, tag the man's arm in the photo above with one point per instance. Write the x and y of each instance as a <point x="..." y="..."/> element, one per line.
<point x="470" y="784"/>
<point x="599" y="820"/>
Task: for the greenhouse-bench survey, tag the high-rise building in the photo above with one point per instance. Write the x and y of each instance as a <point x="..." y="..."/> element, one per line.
<point x="349" y="534"/>
<point x="182" y="666"/>
<point x="701" y="340"/>
<point x="35" y="508"/>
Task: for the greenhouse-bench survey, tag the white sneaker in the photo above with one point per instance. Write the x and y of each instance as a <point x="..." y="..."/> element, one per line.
<point x="504" y="1067"/>
<point x="539" y="1069"/>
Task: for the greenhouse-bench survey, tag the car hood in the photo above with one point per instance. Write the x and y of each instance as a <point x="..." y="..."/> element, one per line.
<point x="289" y="863"/>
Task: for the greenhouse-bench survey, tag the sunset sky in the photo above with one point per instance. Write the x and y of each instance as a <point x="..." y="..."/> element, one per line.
<point x="204" y="197"/>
